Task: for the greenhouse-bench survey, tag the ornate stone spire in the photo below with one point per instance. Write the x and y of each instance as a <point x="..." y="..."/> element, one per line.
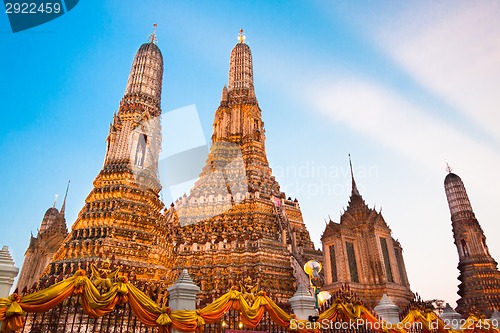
<point x="63" y="207"/>
<point x="458" y="200"/>
<point x="52" y="232"/>
<point x="357" y="205"/>
<point x="354" y="186"/>
<point x="134" y="140"/>
<point x="49" y="219"/>
<point x="239" y="134"/>
<point x="240" y="86"/>
<point x="8" y="271"/>
<point x="225" y="97"/>
<point x="235" y="219"/>
<point x="477" y="268"/>
<point x="147" y="72"/>
<point x="122" y="216"/>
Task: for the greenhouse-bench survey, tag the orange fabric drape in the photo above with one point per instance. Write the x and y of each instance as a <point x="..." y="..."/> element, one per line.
<point x="49" y="304"/>
<point x="151" y="314"/>
<point x="145" y="314"/>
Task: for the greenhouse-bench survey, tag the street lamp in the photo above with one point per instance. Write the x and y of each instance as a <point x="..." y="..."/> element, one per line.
<point x="312" y="269"/>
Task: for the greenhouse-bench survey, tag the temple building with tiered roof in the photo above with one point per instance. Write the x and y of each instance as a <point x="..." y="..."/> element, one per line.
<point x="49" y="238"/>
<point x="360" y="252"/>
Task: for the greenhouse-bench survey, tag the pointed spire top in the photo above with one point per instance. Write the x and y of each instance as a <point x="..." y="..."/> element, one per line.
<point x="225" y="95"/>
<point x="241" y="70"/>
<point x="241" y="37"/>
<point x="63" y="207"/>
<point x="356" y="204"/>
<point x="354" y="186"/>
<point x="449" y="169"/>
<point x="146" y="74"/>
<point x="55" y="200"/>
<point x="152" y="37"/>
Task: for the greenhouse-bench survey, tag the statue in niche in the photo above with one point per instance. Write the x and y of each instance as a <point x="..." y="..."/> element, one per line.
<point x="103" y="278"/>
<point x="249" y="289"/>
<point x="140" y="151"/>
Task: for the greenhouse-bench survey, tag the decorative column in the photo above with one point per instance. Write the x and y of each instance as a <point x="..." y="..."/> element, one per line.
<point x="387" y="310"/>
<point x="451" y="317"/>
<point x="303" y="304"/>
<point x="183" y="294"/>
<point x="8" y="271"/>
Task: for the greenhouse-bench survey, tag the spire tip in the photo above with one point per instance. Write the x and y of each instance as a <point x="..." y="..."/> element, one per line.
<point x="354" y="186"/>
<point x="241" y="37"/>
<point x="152" y="37"/>
<point x="63" y="207"/>
<point x="449" y="169"/>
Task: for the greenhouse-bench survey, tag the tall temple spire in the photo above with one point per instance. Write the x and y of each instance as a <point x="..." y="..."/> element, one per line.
<point x="63" y="207"/>
<point x="477" y="268"/>
<point x="354" y="186"/>
<point x="225" y="96"/>
<point x="134" y="139"/>
<point x="356" y="206"/>
<point x="122" y="216"/>
<point x="238" y="121"/>
<point x="41" y="248"/>
<point x="146" y="75"/>
<point x="240" y="85"/>
<point x="237" y="202"/>
<point x="458" y="200"/>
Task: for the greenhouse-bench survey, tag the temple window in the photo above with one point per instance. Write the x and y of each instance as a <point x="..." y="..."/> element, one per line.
<point x="465" y="249"/>
<point x="256" y="124"/>
<point x="351" y="257"/>
<point x="402" y="273"/>
<point x="333" y="263"/>
<point x="387" y="262"/>
<point x="140" y="152"/>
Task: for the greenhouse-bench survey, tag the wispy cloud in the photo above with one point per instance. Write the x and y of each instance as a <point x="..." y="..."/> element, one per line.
<point x="385" y="116"/>
<point x="455" y="53"/>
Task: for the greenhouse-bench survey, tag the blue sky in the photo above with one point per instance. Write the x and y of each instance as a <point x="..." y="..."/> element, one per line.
<point x="401" y="86"/>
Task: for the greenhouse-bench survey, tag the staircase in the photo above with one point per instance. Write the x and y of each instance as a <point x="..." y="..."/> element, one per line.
<point x="297" y="259"/>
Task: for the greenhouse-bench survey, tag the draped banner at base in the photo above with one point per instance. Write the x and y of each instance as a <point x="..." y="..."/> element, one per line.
<point x="97" y="303"/>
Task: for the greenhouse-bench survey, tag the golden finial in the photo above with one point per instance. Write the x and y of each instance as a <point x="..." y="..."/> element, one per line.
<point x="55" y="200"/>
<point x="241" y="37"/>
<point x="152" y="37"/>
<point x="448" y="167"/>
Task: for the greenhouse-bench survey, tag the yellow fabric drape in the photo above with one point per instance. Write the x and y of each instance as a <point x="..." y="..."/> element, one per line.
<point x="11" y="313"/>
<point x="96" y="305"/>
<point x="429" y="320"/>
